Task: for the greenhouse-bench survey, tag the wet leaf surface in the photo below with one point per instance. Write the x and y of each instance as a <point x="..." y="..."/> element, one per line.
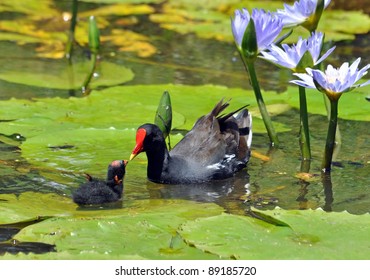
<point x="352" y="105"/>
<point x="311" y="235"/>
<point x="66" y="137"/>
<point x="66" y="76"/>
<point x="145" y="229"/>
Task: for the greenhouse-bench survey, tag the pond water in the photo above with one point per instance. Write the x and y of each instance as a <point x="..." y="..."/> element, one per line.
<point x="190" y="60"/>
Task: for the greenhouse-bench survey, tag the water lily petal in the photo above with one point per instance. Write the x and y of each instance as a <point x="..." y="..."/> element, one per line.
<point x="318" y="61"/>
<point x="238" y="25"/>
<point x="334" y="81"/>
<point x="290" y="56"/>
<point x="299" y="12"/>
<point x="267" y="25"/>
<point x="306" y="80"/>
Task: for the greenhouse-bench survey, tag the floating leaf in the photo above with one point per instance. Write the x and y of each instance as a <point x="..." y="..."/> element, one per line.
<point x="211" y="19"/>
<point x="146" y="229"/>
<point x="121" y="9"/>
<point x="100" y="127"/>
<point x="123" y="1"/>
<point x="313" y="234"/>
<point x="37" y="9"/>
<point x="130" y="41"/>
<point x="48" y="27"/>
<point x="352" y="105"/>
<point x="67" y="76"/>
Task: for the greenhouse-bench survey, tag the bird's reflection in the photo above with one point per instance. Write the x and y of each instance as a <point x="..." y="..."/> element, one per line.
<point x="218" y="191"/>
<point x="232" y="194"/>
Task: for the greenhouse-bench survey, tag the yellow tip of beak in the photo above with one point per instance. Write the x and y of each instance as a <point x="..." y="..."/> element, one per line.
<point x="133" y="156"/>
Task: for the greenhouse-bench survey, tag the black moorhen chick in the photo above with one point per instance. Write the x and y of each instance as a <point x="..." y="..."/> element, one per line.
<point x="215" y="148"/>
<point x="97" y="191"/>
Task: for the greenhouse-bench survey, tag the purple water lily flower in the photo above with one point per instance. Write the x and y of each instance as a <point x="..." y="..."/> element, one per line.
<point x="268" y="26"/>
<point x="334" y="81"/>
<point x="290" y="56"/>
<point x="302" y="12"/>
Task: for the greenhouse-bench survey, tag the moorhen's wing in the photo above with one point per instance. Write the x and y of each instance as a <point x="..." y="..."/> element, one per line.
<point x="204" y="144"/>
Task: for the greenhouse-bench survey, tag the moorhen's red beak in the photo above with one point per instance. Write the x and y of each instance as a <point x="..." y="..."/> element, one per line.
<point x="140" y="136"/>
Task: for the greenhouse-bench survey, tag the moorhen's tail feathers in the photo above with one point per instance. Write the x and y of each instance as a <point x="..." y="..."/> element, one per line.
<point x="220" y="106"/>
<point x="244" y="122"/>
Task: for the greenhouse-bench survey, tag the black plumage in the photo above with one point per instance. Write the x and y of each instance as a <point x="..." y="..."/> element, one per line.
<point x="215" y="148"/>
<point x="96" y="191"/>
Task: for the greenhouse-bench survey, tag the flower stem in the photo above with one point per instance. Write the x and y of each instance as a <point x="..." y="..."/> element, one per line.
<point x="330" y="139"/>
<point x="71" y="34"/>
<point x="85" y="86"/>
<point x="304" y="138"/>
<point x="338" y="136"/>
<point x="261" y="104"/>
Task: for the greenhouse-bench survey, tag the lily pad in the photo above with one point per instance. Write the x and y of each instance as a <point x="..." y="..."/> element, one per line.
<point x="123" y="1"/>
<point x="122" y="9"/>
<point x="211" y="19"/>
<point x="48" y="27"/>
<point x="313" y="234"/>
<point x="129" y="41"/>
<point x="352" y="105"/>
<point x="68" y="76"/>
<point x="34" y="8"/>
<point x="67" y="137"/>
<point x="147" y="229"/>
<point x="331" y="24"/>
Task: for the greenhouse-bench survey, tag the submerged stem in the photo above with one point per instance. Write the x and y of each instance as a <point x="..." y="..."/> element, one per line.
<point x="330" y="139"/>
<point x="261" y="104"/>
<point x="304" y="138"/>
<point x="85" y="85"/>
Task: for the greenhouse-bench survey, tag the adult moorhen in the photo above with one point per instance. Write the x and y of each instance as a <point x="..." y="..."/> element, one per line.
<point x="215" y="148"/>
<point x="96" y="191"/>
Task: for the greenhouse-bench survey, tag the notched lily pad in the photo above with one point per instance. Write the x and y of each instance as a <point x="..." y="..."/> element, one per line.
<point x="147" y="229"/>
<point x="313" y="234"/>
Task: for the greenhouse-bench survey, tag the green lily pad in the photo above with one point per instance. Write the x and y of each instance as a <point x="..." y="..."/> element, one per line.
<point x="34" y="8"/>
<point x="121" y="9"/>
<point x="352" y="105"/>
<point x="68" y="76"/>
<point x="123" y="1"/>
<point x="21" y="39"/>
<point x="47" y="26"/>
<point x="67" y="137"/>
<point x="313" y="234"/>
<point x="331" y="24"/>
<point x="146" y="229"/>
<point x="211" y="19"/>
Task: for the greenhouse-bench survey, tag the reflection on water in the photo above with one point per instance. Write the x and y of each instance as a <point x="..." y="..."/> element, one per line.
<point x="215" y="191"/>
<point x="264" y="184"/>
<point x="13" y="246"/>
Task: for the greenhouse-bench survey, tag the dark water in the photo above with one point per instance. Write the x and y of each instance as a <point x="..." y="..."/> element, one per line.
<point x="13" y="246"/>
<point x="186" y="59"/>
